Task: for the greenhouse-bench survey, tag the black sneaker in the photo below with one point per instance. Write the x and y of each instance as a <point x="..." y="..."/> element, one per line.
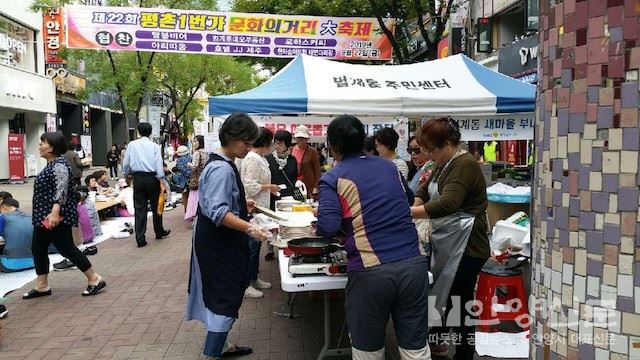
<point x="90" y="250"/>
<point x="3" y="312"/>
<point x="163" y="235"/>
<point x="63" y="265"/>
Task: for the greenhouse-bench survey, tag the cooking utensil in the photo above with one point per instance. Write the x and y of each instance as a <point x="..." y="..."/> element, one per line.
<point x="269" y="213"/>
<point x="313" y="246"/>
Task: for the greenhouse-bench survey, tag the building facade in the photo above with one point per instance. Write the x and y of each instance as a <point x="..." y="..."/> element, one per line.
<point x="586" y="224"/>
<point x="26" y="94"/>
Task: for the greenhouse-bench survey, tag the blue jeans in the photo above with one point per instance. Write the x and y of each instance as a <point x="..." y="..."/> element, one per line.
<point x="254" y="260"/>
<point x="214" y="343"/>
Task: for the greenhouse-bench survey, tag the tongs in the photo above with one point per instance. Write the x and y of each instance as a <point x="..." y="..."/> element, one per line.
<point x="270" y="213"/>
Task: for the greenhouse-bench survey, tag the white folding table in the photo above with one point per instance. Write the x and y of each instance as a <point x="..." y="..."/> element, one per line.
<point x="322" y="283"/>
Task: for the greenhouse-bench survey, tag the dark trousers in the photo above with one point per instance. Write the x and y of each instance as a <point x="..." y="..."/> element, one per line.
<point x="146" y="189"/>
<point x="62" y="239"/>
<point x="113" y="169"/>
<point x="463" y="287"/>
<point x="398" y="290"/>
<point x="254" y="260"/>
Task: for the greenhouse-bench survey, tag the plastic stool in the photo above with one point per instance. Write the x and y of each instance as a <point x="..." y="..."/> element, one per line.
<point x="488" y="281"/>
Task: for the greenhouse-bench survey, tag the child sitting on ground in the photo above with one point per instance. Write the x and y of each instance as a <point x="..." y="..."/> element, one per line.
<point x="125" y="198"/>
<point x="91" y="209"/>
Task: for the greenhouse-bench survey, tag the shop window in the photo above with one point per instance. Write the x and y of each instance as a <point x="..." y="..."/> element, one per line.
<point x="483" y="31"/>
<point x="16" y="125"/>
<point x="17" y="45"/>
<point x="532" y="15"/>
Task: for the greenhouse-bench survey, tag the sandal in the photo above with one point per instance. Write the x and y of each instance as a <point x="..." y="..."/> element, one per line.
<point x="33" y="293"/>
<point x="94" y="289"/>
<point x="240" y="351"/>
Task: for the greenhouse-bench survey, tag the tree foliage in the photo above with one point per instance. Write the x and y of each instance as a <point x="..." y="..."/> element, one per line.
<point x="133" y="75"/>
<point x="182" y="76"/>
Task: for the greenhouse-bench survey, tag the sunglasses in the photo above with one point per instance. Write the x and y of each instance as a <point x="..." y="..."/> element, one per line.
<point x="414" y="151"/>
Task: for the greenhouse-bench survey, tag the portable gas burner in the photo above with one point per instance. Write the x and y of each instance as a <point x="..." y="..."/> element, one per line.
<point x="331" y="264"/>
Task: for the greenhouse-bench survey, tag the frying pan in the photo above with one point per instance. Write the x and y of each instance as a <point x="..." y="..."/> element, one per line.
<point x="313" y="246"/>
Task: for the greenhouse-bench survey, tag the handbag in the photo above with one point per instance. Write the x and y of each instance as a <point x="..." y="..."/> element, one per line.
<point x="297" y="194"/>
<point x="194" y="179"/>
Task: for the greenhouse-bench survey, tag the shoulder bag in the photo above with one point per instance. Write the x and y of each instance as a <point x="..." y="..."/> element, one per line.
<point x="194" y="179"/>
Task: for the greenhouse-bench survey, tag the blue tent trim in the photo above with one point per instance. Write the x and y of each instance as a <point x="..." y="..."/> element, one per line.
<point x="511" y="96"/>
<point x="267" y="98"/>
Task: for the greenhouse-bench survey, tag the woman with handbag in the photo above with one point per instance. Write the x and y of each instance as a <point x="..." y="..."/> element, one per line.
<point x="198" y="161"/>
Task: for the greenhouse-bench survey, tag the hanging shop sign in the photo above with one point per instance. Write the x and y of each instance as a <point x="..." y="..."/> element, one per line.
<point x="53" y="34"/>
<point x="69" y="84"/>
<point x="483" y="33"/>
<point x="223" y="33"/>
<point x="520" y="59"/>
<point x="52" y="123"/>
<point x="16" y="157"/>
<point x="86" y="121"/>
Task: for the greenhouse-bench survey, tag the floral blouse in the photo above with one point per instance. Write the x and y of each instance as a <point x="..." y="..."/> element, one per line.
<point x="184" y="174"/>
<point x="53" y="185"/>
<point x="254" y="172"/>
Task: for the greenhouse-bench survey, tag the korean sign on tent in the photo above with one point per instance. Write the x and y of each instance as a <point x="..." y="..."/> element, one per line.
<point x="224" y="33"/>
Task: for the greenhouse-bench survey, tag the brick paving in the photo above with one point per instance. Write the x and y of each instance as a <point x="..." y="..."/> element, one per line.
<point x="140" y="314"/>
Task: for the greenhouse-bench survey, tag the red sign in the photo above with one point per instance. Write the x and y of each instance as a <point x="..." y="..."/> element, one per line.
<point x="512" y="151"/>
<point x="53" y="33"/>
<point x="16" y="157"/>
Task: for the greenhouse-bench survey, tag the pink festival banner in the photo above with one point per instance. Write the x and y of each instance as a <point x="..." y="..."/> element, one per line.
<point x="224" y="33"/>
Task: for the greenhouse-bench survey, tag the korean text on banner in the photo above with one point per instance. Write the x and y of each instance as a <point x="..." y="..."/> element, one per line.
<point x="16" y="157"/>
<point x="53" y="34"/>
<point x="499" y="127"/>
<point x="222" y="33"/>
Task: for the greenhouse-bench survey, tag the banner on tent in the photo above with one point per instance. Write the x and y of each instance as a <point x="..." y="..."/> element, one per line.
<point x="223" y="33"/>
<point x="318" y="124"/>
<point x="501" y="127"/>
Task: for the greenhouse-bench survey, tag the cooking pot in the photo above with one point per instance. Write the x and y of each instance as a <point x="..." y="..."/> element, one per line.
<point x="313" y="246"/>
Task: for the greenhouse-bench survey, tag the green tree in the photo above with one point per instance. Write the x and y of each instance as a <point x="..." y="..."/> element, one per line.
<point x="130" y="75"/>
<point x="183" y="75"/>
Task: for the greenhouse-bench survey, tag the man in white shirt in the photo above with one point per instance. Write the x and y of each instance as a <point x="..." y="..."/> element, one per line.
<point x="143" y="161"/>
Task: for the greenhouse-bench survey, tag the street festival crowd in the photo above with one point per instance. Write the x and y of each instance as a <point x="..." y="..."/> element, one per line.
<point x="397" y="221"/>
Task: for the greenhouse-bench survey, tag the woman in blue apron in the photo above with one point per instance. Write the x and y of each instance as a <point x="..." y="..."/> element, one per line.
<point x="455" y="199"/>
<point x="220" y="256"/>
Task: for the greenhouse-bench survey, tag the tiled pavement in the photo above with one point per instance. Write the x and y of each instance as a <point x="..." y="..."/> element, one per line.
<point x="140" y="315"/>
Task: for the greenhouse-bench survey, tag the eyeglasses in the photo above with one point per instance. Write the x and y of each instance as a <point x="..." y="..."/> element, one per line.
<point x="414" y="151"/>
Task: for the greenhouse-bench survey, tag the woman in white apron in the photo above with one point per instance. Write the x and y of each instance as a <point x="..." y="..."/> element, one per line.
<point x="455" y="200"/>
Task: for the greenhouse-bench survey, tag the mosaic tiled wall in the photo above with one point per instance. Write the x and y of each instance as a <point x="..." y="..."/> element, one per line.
<point x="586" y="220"/>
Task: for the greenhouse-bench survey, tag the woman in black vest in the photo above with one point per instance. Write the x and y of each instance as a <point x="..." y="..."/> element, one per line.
<point x="220" y="257"/>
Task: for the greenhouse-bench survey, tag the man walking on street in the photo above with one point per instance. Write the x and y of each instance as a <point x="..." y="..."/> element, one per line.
<point x="143" y="161"/>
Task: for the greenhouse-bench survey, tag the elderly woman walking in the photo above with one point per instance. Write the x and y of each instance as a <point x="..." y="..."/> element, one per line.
<point x="220" y="257"/>
<point x="54" y="213"/>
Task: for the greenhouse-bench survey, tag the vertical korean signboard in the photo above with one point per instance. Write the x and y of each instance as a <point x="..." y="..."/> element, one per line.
<point x="54" y="37"/>
<point x="16" y="157"/>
